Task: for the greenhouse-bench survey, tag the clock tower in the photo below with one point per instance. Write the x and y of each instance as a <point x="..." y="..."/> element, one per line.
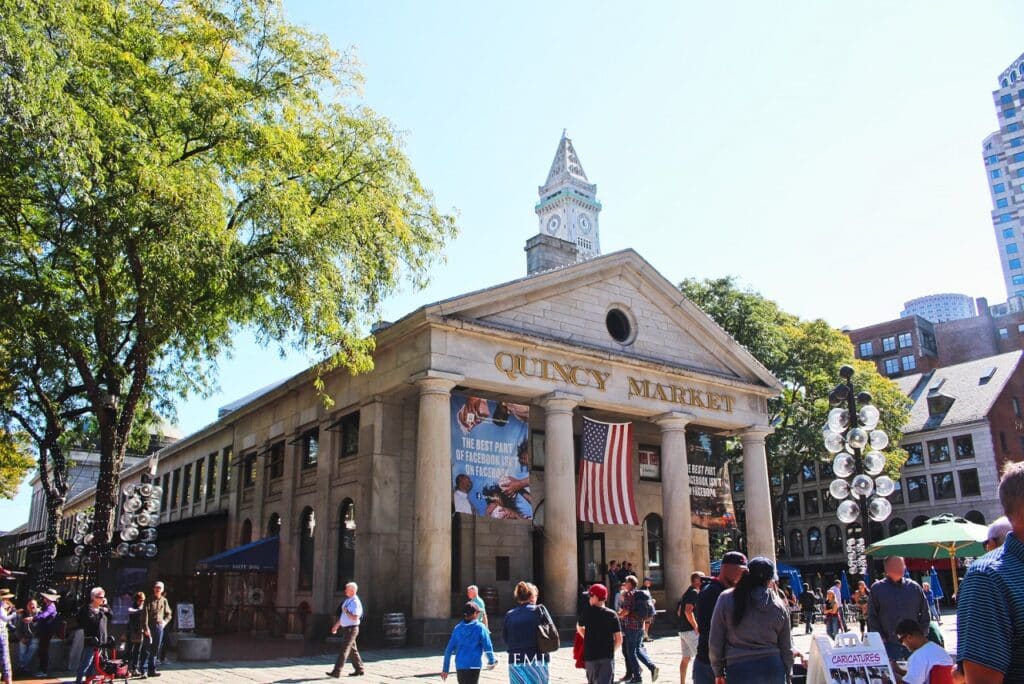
<point x="568" y="208"/>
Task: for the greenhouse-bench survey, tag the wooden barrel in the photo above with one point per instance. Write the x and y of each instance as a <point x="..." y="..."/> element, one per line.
<point x="490" y="597"/>
<point x="394" y="629"/>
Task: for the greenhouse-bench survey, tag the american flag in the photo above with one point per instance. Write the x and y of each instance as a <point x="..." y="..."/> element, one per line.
<point x="605" y="488"/>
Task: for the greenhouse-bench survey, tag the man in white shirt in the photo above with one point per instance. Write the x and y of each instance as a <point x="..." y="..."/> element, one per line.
<point x="463" y="485"/>
<point x="350" y="614"/>
<point x="837" y="593"/>
<point x="924" y="655"/>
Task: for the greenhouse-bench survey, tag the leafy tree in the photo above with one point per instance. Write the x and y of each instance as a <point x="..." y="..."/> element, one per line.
<point x="805" y="356"/>
<point x="171" y="172"/>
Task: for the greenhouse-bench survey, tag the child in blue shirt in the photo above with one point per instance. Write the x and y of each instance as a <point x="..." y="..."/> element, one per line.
<point x="469" y="642"/>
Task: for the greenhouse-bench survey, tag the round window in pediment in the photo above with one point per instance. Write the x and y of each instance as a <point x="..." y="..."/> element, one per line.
<point x="619" y="325"/>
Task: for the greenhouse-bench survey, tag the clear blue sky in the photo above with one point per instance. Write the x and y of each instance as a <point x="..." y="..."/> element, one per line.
<point x="784" y="143"/>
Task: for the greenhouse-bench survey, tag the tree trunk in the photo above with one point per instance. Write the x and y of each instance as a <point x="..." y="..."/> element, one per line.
<point x="54" y="514"/>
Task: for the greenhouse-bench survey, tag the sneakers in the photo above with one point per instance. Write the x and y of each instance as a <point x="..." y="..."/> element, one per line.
<point x="654" y="674"/>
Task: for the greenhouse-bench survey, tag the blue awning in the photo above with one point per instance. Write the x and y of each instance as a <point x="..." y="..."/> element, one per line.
<point x="257" y="556"/>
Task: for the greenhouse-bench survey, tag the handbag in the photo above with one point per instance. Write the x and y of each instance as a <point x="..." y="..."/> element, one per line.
<point x="547" y="633"/>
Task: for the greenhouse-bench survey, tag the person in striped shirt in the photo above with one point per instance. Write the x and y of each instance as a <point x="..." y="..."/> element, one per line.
<point x="990" y="617"/>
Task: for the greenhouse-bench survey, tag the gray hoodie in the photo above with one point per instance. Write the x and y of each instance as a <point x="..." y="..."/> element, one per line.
<point x="763" y="632"/>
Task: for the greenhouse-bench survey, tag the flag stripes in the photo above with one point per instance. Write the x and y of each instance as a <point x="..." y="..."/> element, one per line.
<point x="605" y="485"/>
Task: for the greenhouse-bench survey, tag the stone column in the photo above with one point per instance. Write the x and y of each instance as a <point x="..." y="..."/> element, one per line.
<point x="757" y="494"/>
<point x="432" y="559"/>
<point x="675" y="503"/>
<point x="560" y="556"/>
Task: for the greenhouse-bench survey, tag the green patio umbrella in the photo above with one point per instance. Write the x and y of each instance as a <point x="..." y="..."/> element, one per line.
<point x="944" y="536"/>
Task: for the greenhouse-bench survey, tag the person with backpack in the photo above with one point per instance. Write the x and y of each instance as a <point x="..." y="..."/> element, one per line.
<point x="634" y="608"/>
<point x="652" y="610"/>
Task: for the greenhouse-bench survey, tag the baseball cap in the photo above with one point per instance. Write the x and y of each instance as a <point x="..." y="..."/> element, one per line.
<point x="470" y="609"/>
<point x="734" y="558"/>
<point x="761" y="568"/>
<point x="598" y="590"/>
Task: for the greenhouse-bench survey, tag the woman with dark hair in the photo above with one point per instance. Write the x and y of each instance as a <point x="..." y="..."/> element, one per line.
<point x="860" y="600"/>
<point x="526" y="664"/>
<point x="750" y="640"/>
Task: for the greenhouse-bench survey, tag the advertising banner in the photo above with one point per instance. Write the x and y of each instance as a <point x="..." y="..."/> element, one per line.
<point x="710" y="490"/>
<point x="491" y="458"/>
<point x="849" y="660"/>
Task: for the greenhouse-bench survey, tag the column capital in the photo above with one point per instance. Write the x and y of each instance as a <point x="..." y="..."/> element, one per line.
<point x="755" y="434"/>
<point x="560" y="402"/>
<point x="673" y="420"/>
<point x="435" y="381"/>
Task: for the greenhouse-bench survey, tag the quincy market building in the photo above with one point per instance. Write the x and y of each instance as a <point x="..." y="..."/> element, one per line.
<point x="315" y="497"/>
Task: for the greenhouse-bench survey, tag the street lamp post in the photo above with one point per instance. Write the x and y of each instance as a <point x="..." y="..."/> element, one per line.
<point x="852" y="435"/>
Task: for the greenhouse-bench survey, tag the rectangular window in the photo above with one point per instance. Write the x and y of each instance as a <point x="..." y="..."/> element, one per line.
<point x="1020" y="331"/>
<point x="897" y="494"/>
<point x="866" y="349"/>
<point x="915" y="454"/>
<point x="1001" y="203"/>
<point x="1020" y="172"/>
<point x="1004" y="334"/>
<point x="502" y="568"/>
<point x="310" y="448"/>
<point x="1008" y="233"/>
<point x="808" y="472"/>
<point x="1018" y="157"/>
<point x="175" y="487"/>
<point x="892" y="366"/>
<point x="792" y="506"/>
<point x="1011" y="248"/>
<point x="1008" y="112"/>
<point x="650" y="462"/>
<point x="186" y="483"/>
<point x="1006" y="99"/>
<point x="225" y="469"/>
<point x="942" y="485"/>
<point x="200" y="482"/>
<point x="348" y="427"/>
<point x="249" y="471"/>
<point x="917" y="489"/>
<point x="969" y="485"/>
<point x="1016" y="403"/>
<point x="1004" y="218"/>
<point x="1014" y="264"/>
<point x="1015" y="142"/>
<point x="905" y="340"/>
<point x="1002" y="442"/>
<point x="992" y="160"/>
<point x="995" y="173"/>
<point x="828" y="504"/>
<point x="166" y="491"/>
<point x="811" y="503"/>
<point x="998" y="188"/>
<point x="1012" y="127"/>
<point x="888" y="344"/>
<point x="909" y="363"/>
<point x="938" y="451"/>
<point x="825" y="468"/>
<point x="963" y="446"/>
<point x="537" y="457"/>
<point x="211" y="476"/>
<point x="275" y="460"/>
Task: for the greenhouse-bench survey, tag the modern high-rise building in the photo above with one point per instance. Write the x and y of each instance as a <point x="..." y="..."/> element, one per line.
<point x="937" y="308"/>
<point x="1004" y="163"/>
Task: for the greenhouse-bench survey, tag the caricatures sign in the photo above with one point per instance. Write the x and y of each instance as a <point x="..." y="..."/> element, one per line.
<point x="491" y="458"/>
<point x="710" y="490"/>
<point x="849" y="660"/>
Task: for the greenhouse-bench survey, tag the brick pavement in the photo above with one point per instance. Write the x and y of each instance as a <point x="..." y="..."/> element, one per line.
<point x="411" y="665"/>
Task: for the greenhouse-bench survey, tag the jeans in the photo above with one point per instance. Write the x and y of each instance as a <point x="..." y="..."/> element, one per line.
<point x="636" y="654"/>
<point x="157" y="633"/>
<point x="767" y="670"/>
<point x="44" y="653"/>
<point x="136" y="656"/>
<point x="26" y="652"/>
<point x="832" y="626"/>
<point x="934" y="610"/>
<point x="702" y="673"/>
<point x="808" y="620"/>
<point x="85" y="667"/>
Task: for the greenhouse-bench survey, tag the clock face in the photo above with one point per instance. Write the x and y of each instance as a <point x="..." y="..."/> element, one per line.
<point x="553" y="223"/>
<point x="585" y="225"/>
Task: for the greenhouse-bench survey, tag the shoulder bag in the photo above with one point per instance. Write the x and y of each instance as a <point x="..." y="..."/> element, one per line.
<point x="547" y="632"/>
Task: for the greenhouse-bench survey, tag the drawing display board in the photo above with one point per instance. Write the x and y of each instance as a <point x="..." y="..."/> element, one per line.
<point x="849" y="660"/>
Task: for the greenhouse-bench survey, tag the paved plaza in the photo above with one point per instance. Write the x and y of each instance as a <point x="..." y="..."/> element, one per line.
<point x="392" y="665"/>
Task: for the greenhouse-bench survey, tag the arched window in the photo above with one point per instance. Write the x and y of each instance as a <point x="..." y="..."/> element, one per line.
<point x="346" y="544"/>
<point x="655" y="541"/>
<point x="975" y="517"/>
<point x="919" y="520"/>
<point x="814" y="541"/>
<point x="274" y="525"/>
<point x="1005" y="83"/>
<point x="307" y="526"/>
<point x="796" y="544"/>
<point x="833" y="539"/>
<point x="246" y="536"/>
<point x="897" y="526"/>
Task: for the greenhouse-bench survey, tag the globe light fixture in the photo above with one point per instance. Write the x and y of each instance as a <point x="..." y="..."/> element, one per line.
<point x="859" y="486"/>
<point x="138" y="522"/>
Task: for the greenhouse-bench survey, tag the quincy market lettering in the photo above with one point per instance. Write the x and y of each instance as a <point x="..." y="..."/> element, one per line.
<point x="516" y="366"/>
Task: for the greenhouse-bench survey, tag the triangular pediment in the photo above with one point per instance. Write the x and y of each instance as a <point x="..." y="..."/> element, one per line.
<point x="571" y="304"/>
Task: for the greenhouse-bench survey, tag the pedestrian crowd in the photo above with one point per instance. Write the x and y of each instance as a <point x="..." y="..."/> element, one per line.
<point x="26" y="633"/>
